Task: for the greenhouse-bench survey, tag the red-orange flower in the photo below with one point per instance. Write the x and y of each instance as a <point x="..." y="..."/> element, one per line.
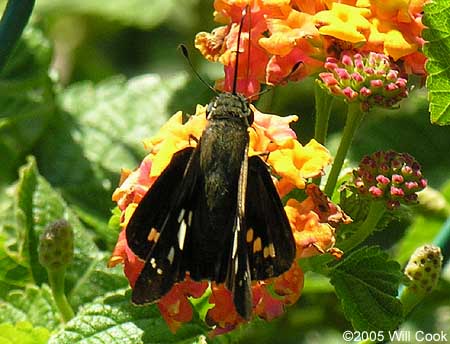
<point x="275" y="44"/>
<point x="289" y="40"/>
<point x="269" y="300"/>
<point x="314" y="221"/>
<point x="175" y="306"/>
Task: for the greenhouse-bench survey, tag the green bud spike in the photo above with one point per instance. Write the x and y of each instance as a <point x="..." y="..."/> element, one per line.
<point x="55" y="253"/>
<point x="56" y="245"/>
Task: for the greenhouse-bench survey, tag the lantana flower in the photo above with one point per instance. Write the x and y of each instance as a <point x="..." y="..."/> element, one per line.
<point x="289" y="40"/>
<point x="294" y="164"/>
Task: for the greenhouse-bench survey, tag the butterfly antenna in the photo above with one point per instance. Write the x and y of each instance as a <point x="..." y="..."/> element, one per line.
<point x="244" y="12"/>
<point x="185" y="53"/>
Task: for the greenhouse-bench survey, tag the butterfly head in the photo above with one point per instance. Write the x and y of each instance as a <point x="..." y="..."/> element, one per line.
<point x="230" y="106"/>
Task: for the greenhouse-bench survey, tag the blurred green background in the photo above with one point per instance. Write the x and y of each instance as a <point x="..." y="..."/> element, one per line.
<point x="101" y="52"/>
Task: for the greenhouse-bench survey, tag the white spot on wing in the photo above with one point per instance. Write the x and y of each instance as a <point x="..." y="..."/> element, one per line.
<point x="159" y="271"/>
<point x="171" y="255"/>
<point x="180" y="217"/>
<point x="182" y="234"/>
<point x="153" y="263"/>
<point x="190" y="218"/>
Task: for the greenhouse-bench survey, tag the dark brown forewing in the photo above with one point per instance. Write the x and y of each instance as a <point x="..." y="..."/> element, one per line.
<point x="154" y="208"/>
<point x="160" y="227"/>
<point x="270" y="243"/>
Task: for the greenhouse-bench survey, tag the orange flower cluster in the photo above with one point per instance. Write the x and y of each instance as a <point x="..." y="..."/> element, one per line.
<point x="285" y="40"/>
<point x="292" y="162"/>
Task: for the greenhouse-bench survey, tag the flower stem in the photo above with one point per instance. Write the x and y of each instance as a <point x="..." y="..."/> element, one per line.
<point x="56" y="279"/>
<point x="324" y="102"/>
<point x="14" y="20"/>
<point x="442" y="240"/>
<point x="376" y="212"/>
<point x="354" y="117"/>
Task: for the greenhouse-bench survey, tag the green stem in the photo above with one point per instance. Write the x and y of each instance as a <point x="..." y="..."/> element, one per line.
<point x="442" y="240"/>
<point x="376" y="212"/>
<point x="56" y="279"/>
<point x="354" y="117"/>
<point x="14" y="20"/>
<point x="324" y="102"/>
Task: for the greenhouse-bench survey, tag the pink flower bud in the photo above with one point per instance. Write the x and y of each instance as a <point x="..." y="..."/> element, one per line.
<point x="391" y="87"/>
<point x="397" y="192"/>
<point x="406" y="170"/>
<point x="376" y="192"/>
<point x="342" y="73"/>
<point x="376" y="83"/>
<point x="411" y="185"/>
<point x="349" y="93"/>
<point x="397" y="178"/>
<point x="347" y="60"/>
<point x="365" y="92"/>
<point x="392" y="75"/>
<point x="328" y="79"/>
<point x="330" y="65"/>
<point x="401" y="82"/>
<point x="357" y="77"/>
<point x="423" y="183"/>
<point x="382" y="179"/>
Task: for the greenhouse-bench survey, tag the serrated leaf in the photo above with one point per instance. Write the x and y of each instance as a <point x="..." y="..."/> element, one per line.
<point x="14" y="269"/>
<point x="366" y="282"/>
<point x="26" y="100"/>
<point x="438" y="50"/>
<point x="97" y="280"/>
<point x="23" y="333"/>
<point x="114" y="320"/>
<point x="25" y="193"/>
<point x="34" y="305"/>
<point x="101" y="131"/>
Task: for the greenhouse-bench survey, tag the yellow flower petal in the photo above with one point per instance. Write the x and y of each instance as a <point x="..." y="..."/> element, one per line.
<point x="344" y="22"/>
<point x="397" y="46"/>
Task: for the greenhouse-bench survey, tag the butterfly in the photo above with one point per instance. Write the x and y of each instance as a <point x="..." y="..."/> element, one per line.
<point x="213" y="213"/>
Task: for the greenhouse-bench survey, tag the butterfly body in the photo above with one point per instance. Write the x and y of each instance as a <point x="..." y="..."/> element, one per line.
<point x="213" y="213"/>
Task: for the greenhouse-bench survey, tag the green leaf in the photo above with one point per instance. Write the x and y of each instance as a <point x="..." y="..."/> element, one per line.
<point x="366" y="282"/>
<point x="113" y="319"/>
<point x="438" y="50"/>
<point x="142" y="13"/>
<point x="14" y="268"/>
<point x="23" y="333"/>
<point x="25" y="195"/>
<point x="34" y="305"/>
<point x="97" y="280"/>
<point x="99" y="133"/>
<point x="26" y="100"/>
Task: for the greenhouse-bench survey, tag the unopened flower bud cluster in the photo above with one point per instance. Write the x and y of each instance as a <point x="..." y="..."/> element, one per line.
<point x="394" y="177"/>
<point x="368" y="79"/>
